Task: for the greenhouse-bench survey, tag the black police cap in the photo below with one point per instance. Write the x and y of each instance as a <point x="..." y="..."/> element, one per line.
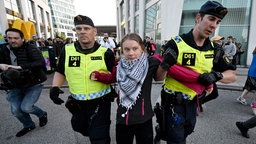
<point x="214" y="8"/>
<point x="80" y="19"/>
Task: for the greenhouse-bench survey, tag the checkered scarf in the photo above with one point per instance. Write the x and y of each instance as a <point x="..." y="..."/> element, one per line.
<point x="130" y="77"/>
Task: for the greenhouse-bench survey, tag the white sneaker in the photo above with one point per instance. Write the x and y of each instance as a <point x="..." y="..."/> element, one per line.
<point x="242" y="100"/>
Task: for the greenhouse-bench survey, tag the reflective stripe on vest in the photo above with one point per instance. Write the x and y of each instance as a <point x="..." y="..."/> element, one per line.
<point x="78" y="68"/>
<point x="199" y="61"/>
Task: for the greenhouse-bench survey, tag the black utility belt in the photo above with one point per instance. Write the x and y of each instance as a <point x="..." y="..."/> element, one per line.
<point x="74" y="105"/>
<point x="87" y="103"/>
<point x="176" y="98"/>
<point x="185" y="96"/>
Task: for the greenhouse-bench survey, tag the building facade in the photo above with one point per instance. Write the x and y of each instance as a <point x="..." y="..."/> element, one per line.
<point x="162" y="19"/>
<point x="62" y="13"/>
<point x="31" y="16"/>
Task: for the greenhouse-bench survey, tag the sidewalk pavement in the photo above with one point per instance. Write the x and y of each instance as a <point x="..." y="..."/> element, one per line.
<point x="235" y="86"/>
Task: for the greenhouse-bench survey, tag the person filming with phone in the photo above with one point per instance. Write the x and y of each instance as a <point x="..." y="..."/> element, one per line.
<point x="107" y="42"/>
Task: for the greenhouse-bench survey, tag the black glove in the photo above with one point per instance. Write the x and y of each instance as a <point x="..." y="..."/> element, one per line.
<point x="169" y="59"/>
<point x="209" y="78"/>
<point x="54" y="95"/>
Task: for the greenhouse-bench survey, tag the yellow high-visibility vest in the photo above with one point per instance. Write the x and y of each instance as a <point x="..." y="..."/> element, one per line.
<point x="78" y="68"/>
<point x="199" y="61"/>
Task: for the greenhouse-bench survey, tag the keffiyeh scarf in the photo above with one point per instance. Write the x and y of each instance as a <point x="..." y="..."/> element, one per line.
<point x="130" y="77"/>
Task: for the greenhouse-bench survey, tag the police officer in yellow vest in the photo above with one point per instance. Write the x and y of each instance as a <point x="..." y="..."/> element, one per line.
<point x="89" y="101"/>
<point x="195" y="51"/>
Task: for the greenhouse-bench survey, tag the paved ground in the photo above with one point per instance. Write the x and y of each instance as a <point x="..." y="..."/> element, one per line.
<point x="215" y="125"/>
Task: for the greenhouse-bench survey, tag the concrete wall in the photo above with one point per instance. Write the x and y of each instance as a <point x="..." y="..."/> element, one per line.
<point x="3" y="21"/>
<point x="23" y="5"/>
<point x="170" y="25"/>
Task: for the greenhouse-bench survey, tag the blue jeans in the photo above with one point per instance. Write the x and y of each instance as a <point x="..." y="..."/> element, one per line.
<point x="22" y="103"/>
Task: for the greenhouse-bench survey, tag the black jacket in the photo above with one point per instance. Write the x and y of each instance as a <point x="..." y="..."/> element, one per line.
<point x="142" y="111"/>
<point x="30" y="58"/>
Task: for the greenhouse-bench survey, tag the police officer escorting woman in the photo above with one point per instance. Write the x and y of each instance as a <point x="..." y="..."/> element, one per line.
<point x="193" y="50"/>
<point x="89" y="101"/>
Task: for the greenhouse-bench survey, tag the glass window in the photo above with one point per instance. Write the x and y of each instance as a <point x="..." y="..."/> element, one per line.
<point x="30" y="9"/>
<point x="48" y="18"/>
<point x="153" y="23"/>
<point x="237" y="23"/>
<point x="136" y="3"/>
<point x="15" y="6"/>
<point x="128" y="3"/>
<point x="136" y="24"/>
<point x="129" y="26"/>
<point x="40" y="14"/>
<point x="122" y="11"/>
<point x="146" y="1"/>
<point x="150" y="18"/>
<point x="12" y="5"/>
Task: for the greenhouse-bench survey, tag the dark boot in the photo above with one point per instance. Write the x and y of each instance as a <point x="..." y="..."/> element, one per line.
<point x="243" y="130"/>
<point x="43" y="120"/>
<point x="25" y="131"/>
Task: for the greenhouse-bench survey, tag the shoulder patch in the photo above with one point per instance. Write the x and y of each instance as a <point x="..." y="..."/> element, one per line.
<point x="177" y="39"/>
<point x="226" y="59"/>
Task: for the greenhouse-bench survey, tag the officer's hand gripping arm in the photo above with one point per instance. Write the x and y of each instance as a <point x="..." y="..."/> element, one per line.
<point x="209" y="78"/>
<point x="169" y="59"/>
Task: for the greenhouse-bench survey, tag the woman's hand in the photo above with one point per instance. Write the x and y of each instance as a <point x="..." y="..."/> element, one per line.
<point x="93" y="76"/>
